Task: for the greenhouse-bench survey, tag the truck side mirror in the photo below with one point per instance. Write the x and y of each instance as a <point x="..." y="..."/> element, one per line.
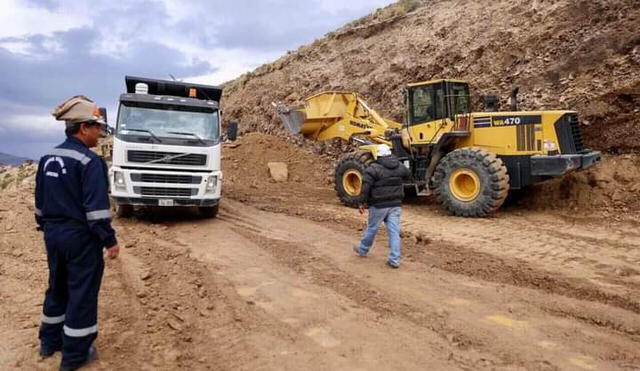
<point x="232" y="131"/>
<point x="103" y="113"/>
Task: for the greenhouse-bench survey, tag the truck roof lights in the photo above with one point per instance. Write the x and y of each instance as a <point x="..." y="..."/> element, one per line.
<point x="142" y="88"/>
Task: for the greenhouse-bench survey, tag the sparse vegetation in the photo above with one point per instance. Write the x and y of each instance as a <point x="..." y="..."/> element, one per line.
<point x="6" y="180"/>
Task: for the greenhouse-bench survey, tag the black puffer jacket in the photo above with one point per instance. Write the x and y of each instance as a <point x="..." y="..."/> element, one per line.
<point x="383" y="182"/>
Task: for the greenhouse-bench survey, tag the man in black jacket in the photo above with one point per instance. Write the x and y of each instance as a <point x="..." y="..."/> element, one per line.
<point x="383" y="186"/>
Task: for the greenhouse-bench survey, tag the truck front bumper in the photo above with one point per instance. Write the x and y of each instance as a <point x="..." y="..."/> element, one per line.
<point x="561" y="164"/>
<point x="152" y="187"/>
<point x="155" y="202"/>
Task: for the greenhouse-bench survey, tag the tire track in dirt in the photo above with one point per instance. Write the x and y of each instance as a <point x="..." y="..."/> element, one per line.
<point x="471" y="262"/>
<point x="338" y="325"/>
<point x="184" y="311"/>
<point x="324" y="272"/>
<point x="310" y="264"/>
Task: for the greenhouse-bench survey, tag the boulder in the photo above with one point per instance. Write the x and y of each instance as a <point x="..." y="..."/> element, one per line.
<point x="278" y="171"/>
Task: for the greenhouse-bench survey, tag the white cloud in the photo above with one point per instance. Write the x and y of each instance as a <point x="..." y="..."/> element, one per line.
<point x="229" y="63"/>
<point x="18" y="20"/>
<point x="362" y="6"/>
<point x="39" y="126"/>
<point x="16" y="46"/>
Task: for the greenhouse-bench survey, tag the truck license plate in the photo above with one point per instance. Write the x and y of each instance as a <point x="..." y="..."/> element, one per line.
<point x="164" y="202"/>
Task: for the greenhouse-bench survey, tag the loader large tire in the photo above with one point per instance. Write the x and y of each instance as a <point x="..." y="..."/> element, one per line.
<point x="349" y="175"/>
<point x="471" y="182"/>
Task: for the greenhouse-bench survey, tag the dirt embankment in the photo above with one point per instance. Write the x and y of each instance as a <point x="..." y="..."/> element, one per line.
<point x="564" y="54"/>
<point x="246" y="172"/>
<point x="612" y="187"/>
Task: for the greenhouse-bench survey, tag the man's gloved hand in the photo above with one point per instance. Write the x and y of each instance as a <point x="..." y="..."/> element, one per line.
<point x="113" y="251"/>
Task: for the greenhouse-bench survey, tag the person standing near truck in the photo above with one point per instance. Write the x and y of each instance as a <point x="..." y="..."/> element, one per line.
<point x="72" y="208"/>
<point x="383" y="189"/>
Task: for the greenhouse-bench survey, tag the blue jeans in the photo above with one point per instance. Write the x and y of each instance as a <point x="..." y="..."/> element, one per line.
<point x="391" y="218"/>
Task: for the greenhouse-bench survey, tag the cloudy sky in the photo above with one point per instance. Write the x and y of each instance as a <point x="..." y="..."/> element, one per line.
<point x="53" y="49"/>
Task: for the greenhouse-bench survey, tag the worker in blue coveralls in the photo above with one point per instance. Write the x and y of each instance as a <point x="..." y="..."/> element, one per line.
<point x="72" y="208"/>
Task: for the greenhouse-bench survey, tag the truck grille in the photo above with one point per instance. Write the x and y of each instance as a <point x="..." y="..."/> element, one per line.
<point x="569" y="134"/>
<point x="165" y="178"/>
<point x="166" y="158"/>
<point x="169" y="192"/>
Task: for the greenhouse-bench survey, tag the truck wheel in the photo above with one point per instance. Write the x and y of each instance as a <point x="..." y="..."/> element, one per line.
<point x="471" y="182"/>
<point x="208" y="211"/>
<point x="349" y="175"/>
<point x="123" y="211"/>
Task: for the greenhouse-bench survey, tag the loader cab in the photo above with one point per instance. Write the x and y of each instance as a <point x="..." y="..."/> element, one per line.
<point x="436" y="100"/>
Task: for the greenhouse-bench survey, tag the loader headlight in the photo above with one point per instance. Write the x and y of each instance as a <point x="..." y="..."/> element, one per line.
<point x="212" y="183"/>
<point x="550" y="145"/>
<point x="118" y="180"/>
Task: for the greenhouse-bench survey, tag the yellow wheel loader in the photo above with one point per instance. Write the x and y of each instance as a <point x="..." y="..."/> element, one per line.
<point x="470" y="160"/>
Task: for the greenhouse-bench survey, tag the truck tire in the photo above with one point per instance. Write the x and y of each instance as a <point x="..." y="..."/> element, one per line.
<point x="208" y="212"/>
<point x="349" y="175"/>
<point x="123" y="211"/>
<point x="471" y="182"/>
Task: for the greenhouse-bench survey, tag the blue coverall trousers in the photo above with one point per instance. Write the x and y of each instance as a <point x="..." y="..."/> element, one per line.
<point x="70" y="313"/>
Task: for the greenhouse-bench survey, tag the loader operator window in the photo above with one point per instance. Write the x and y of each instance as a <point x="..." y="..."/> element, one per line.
<point x="423" y="107"/>
<point x="427" y="103"/>
<point x="460" y="98"/>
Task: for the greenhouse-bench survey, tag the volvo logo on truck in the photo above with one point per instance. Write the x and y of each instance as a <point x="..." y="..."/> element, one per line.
<point x="167" y="147"/>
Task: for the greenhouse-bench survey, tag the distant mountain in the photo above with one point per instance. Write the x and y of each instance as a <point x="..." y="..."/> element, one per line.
<point x="10" y="160"/>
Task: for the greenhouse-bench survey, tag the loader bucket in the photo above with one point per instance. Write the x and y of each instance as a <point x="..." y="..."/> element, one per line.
<point x="292" y="117"/>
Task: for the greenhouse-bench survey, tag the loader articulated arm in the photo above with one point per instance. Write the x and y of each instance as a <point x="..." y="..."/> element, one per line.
<point x="336" y="114"/>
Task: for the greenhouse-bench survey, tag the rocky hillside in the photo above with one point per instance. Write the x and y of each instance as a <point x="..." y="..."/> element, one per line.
<point x="565" y="54"/>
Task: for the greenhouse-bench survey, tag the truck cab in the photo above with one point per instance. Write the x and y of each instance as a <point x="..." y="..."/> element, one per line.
<point x="167" y="147"/>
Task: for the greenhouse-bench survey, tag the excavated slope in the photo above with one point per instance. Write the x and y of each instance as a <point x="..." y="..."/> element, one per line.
<point x="564" y="54"/>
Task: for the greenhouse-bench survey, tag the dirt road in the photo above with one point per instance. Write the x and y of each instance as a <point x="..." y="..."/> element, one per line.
<point x="272" y="285"/>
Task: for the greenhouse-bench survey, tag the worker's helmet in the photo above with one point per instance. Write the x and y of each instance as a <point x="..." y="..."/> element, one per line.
<point x="384" y="150"/>
<point x="78" y="109"/>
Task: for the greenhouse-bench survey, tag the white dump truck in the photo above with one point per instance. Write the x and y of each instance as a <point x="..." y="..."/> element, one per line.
<point x="167" y="146"/>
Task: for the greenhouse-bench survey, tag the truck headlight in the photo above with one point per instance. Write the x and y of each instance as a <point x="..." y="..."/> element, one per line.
<point x="212" y="182"/>
<point x="118" y="180"/>
<point x="550" y="145"/>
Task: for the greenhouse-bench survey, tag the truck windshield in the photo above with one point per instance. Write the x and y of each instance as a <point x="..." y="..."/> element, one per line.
<point x="168" y="121"/>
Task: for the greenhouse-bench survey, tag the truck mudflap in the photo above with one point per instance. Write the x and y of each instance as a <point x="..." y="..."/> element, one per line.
<point x="561" y="164"/>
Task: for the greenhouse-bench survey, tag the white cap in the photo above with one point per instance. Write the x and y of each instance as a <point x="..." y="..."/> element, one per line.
<point x="384" y="150"/>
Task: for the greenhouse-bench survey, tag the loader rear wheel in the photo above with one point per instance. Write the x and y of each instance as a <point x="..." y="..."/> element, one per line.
<point x="471" y="182"/>
<point x="349" y="176"/>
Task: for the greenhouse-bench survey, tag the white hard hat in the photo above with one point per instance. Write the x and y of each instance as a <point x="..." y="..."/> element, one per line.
<point x="384" y="150"/>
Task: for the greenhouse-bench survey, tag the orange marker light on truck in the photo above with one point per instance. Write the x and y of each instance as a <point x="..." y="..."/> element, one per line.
<point x="192" y="92"/>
